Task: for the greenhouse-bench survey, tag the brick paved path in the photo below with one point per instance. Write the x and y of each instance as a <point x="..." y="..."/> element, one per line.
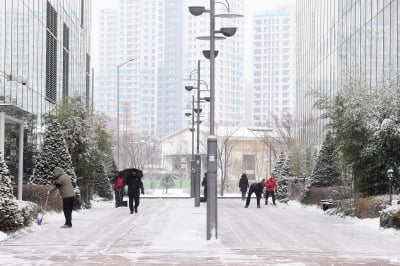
<point x="173" y="232"/>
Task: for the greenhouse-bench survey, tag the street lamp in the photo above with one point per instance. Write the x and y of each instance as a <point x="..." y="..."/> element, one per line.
<point x="390" y="176"/>
<point x="20" y="79"/>
<point x="120" y="65"/>
<point x="197" y="157"/>
<point x="212" y="227"/>
<point x="192" y="167"/>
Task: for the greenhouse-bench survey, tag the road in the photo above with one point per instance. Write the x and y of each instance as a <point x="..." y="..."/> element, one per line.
<point x="173" y="232"/>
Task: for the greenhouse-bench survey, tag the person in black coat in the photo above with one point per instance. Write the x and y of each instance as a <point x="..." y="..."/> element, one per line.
<point x="257" y="188"/>
<point x="243" y="185"/>
<point x="135" y="186"/>
<point x="204" y="184"/>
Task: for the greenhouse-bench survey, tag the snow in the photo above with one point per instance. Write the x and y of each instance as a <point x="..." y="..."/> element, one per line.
<point x="170" y="230"/>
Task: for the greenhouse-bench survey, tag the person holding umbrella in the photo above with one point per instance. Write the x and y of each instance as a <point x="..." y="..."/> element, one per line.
<point x="135" y="187"/>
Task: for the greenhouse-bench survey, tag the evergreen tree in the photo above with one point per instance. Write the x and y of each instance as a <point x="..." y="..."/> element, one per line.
<point x="102" y="184"/>
<point x="54" y="153"/>
<point x="281" y="172"/>
<point x="6" y="190"/>
<point x="10" y="216"/>
<point x="326" y="172"/>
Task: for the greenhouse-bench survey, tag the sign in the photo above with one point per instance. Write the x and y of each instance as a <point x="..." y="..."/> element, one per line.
<point x="211" y="157"/>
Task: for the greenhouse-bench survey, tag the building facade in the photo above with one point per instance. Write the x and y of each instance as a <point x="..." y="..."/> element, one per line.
<point x="45" y="56"/>
<point x="274" y="67"/>
<point x="336" y="39"/>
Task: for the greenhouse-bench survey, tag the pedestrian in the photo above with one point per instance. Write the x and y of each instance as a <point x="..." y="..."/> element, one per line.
<point x="243" y="185"/>
<point x="204" y="184"/>
<point x="63" y="182"/>
<point x="135" y="187"/>
<point x="270" y="189"/>
<point x="256" y="188"/>
<point x="118" y="182"/>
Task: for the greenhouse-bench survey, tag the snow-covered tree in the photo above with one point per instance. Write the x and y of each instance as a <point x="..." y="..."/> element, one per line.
<point x="10" y="217"/>
<point x="102" y="183"/>
<point x="54" y="153"/>
<point x="281" y="172"/>
<point x="326" y="172"/>
<point x="357" y="114"/>
<point x="6" y="190"/>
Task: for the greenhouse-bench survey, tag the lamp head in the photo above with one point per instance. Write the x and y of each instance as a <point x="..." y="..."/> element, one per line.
<point x="198" y="110"/>
<point x="196" y="10"/>
<point x="24" y="81"/>
<point x="188" y="114"/>
<point x="207" y="54"/>
<point x="189" y="88"/>
<point x="228" y="32"/>
<point x="390" y="172"/>
<point x="207" y="99"/>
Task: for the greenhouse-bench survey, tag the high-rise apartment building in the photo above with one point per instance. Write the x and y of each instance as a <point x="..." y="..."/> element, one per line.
<point x="44" y="56"/>
<point x="336" y="38"/>
<point x="161" y="37"/>
<point x="133" y="30"/>
<point x="229" y="63"/>
<point x="273" y="67"/>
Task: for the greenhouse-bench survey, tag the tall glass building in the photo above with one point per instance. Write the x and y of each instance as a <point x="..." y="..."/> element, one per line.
<point x="336" y="38"/>
<point x="44" y="56"/>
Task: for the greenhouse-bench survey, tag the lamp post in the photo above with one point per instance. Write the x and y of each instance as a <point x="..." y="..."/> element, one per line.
<point x="212" y="228"/>
<point x="390" y="176"/>
<point x="192" y="169"/>
<point x="120" y="65"/>
<point x="197" y="158"/>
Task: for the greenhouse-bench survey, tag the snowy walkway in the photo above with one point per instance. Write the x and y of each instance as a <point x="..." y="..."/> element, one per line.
<point x="173" y="232"/>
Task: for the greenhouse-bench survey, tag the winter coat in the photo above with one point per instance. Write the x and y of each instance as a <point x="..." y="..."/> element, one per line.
<point x="135" y="184"/>
<point x="63" y="183"/>
<point x="204" y="183"/>
<point x="118" y="183"/>
<point x="257" y="188"/>
<point x="270" y="184"/>
<point x="243" y="183"/>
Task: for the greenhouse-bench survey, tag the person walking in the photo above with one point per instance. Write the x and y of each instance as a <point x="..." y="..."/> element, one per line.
<point x="118" y="189"/>
<point x="256" y="188"/>
<point x="204" y="184"/>
<point x="64" y="184"/>
<point x="135" y="187"/>
<point x="243" y="185"/>
<point x="270" y="188"/>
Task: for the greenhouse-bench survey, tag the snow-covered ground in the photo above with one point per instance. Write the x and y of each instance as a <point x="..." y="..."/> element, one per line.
<point x="171" y="231"/>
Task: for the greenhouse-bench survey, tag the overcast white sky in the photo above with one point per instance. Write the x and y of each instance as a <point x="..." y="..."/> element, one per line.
<point x="252" y="5"/>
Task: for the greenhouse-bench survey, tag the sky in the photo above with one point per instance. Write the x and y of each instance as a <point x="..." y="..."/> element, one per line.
<point x="173" y="232"/>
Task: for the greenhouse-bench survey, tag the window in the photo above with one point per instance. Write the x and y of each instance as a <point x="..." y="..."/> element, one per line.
<point x="249" y="162"/>
<point x="51" y="54"/>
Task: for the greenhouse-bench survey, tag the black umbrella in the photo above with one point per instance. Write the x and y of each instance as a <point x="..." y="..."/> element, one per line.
<point x="130" y="172"/>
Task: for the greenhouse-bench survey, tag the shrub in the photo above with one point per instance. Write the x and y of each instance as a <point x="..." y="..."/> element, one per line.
<point x="390" y="218"/>
<point x="38" y="194"/>
<point x="369" y="207"/>
<point x="314" y="195"/>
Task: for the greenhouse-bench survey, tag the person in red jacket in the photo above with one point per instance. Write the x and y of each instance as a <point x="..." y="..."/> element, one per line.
<point x="118" y="189"/>
<point x="270" y="187"/>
